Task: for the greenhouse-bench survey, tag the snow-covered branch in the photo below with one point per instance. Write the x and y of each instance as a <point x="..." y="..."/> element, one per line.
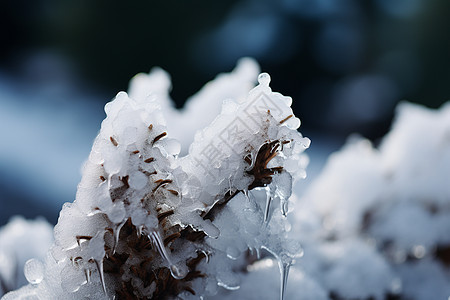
<point x="147" y="223"/>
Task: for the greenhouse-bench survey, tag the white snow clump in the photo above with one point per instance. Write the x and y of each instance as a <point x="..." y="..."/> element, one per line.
<point x="147" y="223"/>
<point x="376" y="223"/>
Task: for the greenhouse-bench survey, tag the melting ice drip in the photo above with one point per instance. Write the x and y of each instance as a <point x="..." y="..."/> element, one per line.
<point x="134" y="171"/>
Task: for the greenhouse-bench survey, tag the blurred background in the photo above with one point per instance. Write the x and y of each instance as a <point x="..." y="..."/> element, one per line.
<point x="346" y="64"/>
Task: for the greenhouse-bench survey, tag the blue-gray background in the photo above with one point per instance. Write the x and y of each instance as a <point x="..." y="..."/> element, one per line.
<point x="346" y="63"/>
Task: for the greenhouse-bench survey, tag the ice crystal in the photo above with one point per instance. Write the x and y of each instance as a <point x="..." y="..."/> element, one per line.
<point x="147" y="223"/>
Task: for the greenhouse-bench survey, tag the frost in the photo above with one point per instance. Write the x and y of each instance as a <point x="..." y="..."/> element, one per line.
<point x="376" y="222"/>
<point x="200" y="109"/>
<point x="211" y="213"/>
<point x="147" y="223"/>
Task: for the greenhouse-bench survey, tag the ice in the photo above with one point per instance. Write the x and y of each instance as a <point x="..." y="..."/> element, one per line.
<point x="129" y="135"/>
<point x="117" y="229"/>
<point x="21" y="240"/>
<point x="138" y="180"/>
<point x="373" y="225"/>
<point x="101" y="274"/>
<point x="381" y="213"/>
<point x="229" y="106"/>
<point x="261" y="282"/>
<point x="269" y="198"/>
<point x="228" y="281"/>
<point x="176" y="272"/>
<point x="25" y="293"/>
<point x="116" y="213"/>
<point x="96" y="247"/>
<point x="284" y="272"/>
<point x="264" y="79"/>
<point x="73" y="280"/>
<point x="233" y="252"/>
<point x="34" y="271"/>
<point x="145" y="218"/>
<point x="202" y="107"/>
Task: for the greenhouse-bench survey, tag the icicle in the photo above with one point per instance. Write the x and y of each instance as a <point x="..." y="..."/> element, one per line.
<point x="276" y="147"/>
<point x="268" y="202"/>
<point x="258" y="253"/>
<point x="140" y="230"/>
<point x="116" y="235"/>
<point x="157" y="241"/>
<point x="255" y="251"/>
<point x="100" y="272"/>
<point x="284" y="206"/>
<point x="252" y="160"/>
<point x="245" y="192"/>
<point x="206" y="255"/>
<point x="284" y="263"/>
<point x="87" y="273"/>
<point x="284" y="271"/>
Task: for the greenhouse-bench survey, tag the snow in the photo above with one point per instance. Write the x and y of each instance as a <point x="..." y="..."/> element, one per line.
<point x="200" y="109"/>
<point x="158" y="188"/>
<point x="137" y="197"/>
<point x="375" y="219"/>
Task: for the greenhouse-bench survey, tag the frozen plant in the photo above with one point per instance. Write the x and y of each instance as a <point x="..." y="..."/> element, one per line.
<point x="147" y="223"/>
<point x="385" y="212"/>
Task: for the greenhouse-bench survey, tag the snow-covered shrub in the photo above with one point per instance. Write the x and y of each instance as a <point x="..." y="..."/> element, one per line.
<point x="147" y="223"/>
<point x="156" y="219"/>
<point x="21" y="240"/>
<point x="381" y="216"/>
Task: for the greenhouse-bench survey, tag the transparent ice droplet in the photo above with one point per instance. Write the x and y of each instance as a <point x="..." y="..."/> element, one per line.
<point x="34" y="271"/>
<point x="264" y="79"/>
<point x="177" y="272"/>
